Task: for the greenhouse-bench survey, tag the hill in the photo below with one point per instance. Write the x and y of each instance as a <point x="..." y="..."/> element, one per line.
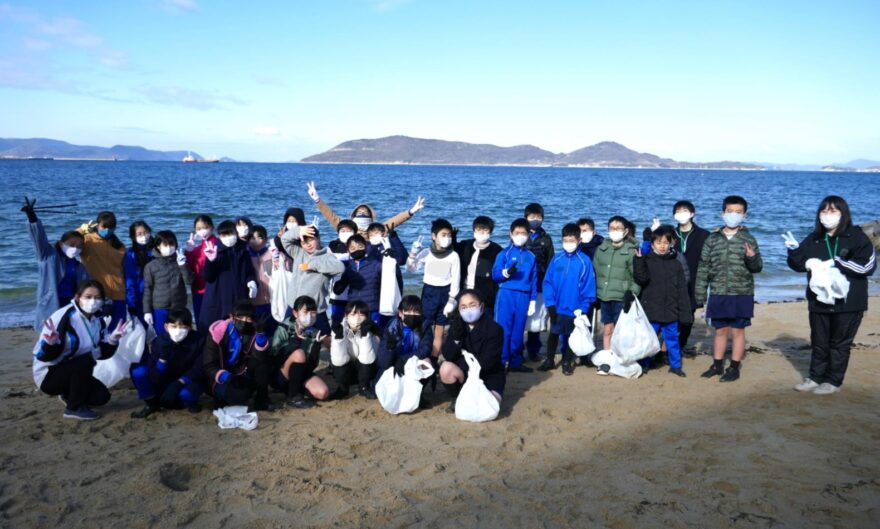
<point x="47" y="148"/>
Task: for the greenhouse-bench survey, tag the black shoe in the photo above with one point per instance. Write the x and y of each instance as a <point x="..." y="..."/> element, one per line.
<point x="713" y="371"/>
<point x="451" y="407"/>
<point x="300" y="403"/>
<point x="425" y="404"/>
<point x="585" y="361"/>
<point x="195" y="408"/>
<point x="567" y="368"/>
<point x="340" y="393"/>
<point x="367" y="393"/>
<point x="265" y="406"/>
<point x="144" y="412"/>
<point x="548" y="365"/>
<point x="689" y="353"/>
<point x="730" y="375"/>
<point x="521" y="369"/>
<point x="677" y="371"/>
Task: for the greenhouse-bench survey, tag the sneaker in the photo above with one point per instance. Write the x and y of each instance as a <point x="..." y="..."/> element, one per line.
<point x="548" y="365"/>
<point x="299" y="402"/>
<point x="826" y="389"/>
<point x="62" y="399"/>
<point x="520" y="369"/>
<point x="807" y="385"/>
<point x="677" y="371"/>
<point x="730" y="375"/>
<point x="367" y="393"/>
<point x="83" y="414"/>
<point x="144" y="412"/>
<point x="712" y="371"/>
<point x="567" y="368"/>
<point x="603" y="369"/>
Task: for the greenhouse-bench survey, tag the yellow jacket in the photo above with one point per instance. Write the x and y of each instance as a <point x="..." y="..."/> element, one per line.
<point x="104" y="263"/>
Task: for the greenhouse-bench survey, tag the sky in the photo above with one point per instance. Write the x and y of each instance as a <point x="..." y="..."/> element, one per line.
<point x="779" y="82"/>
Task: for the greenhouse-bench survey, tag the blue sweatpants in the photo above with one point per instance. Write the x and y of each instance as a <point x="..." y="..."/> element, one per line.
<point x="186" y="396"/>
<point x="670" y="337"/>
<point x="511" y="312"/>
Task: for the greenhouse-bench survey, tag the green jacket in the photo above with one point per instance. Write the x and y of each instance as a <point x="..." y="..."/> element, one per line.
<point x="724" y="268"/>
<point x="614" y="270"/>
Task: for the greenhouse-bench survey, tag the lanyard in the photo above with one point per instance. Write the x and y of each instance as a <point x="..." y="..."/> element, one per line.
<point x="828" y="245"/>
<point x="89" y="331"/>
<point x="684" y="239"/>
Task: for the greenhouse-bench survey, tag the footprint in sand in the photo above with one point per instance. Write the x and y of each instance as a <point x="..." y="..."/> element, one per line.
<point x="179" y="477"/>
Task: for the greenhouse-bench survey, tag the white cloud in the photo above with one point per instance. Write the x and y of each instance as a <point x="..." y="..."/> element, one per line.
<point x="266" y="130"/>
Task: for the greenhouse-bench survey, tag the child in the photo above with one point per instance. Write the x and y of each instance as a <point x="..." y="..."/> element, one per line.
<point x="354" y="343"/>
<point x="58" y="265"/>
<point x="344" y="230"/>
<point x="387" y="244"/>
<point x="235" y="358"/>
<point x="541" y="246"/>
<point x="362" y="276"/>
<point x="664" y="294"/>
<point x="165" y="280"/>
<point x="516" y="273"/>
<point x="296" y="347"/>
<point x="133" y="263"/>
<point x="477" y="257"/>
<point x="203" y="233"/>
<point x="102" y="254"/>
<point x="263" y="262"/>
<point x="244" y="228"/>
<point x="408" y="335"/>
<point x="690" y="244"/>
<point x="589" y="239"/>
<point x="293" y="217"/>
<point x="442" y="278"/>
<point x="728" y="263"/>
<point x="229" y="275"/>
<point x="362" y="214"/>
<point x="569" y="290"/>
<point x="615" y="286"/>
<point x="170" y="374"/>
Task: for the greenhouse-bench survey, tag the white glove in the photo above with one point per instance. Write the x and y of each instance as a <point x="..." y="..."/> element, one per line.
<point x="420" y="203"/>
<point x="577" y="313"/>
<point x="313" y="193"/>
<point x="450" y="306"/>
<point x="148" y="318"/>
<point x="531" y="308"/>
<point x="790" y="242"/>
<point x="505" y="273"/>
<point x="252" y="289"/>
<point x="181" y="258"/>
<point x="655" y="224"/>
<point x="416" y="245"/>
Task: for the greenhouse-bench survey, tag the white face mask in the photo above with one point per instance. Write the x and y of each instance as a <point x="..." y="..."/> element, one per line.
<point x="142" y="239"/>
<point x="569" y="247"/>
<point x="586" y="236"/>
<point x="376" y="240"/>
<point x="243" y="231"/>
<point x="829" y="220"/>
<point x="481" y="237"/>
<point x="344" y="236"/>
<point x="354" y="321"/>
<point x="471" y="314"/>
<point x="519" y="240"/>
<point x="306" y="320"/>
<point x="616" y="235"/>
<point x="363" y="222"/>
<point x="167" y="251"/>
<point x="72" y="252"/>
<point x="732" y="220"/>
<point x="444" y="242"/>
<point x="177" y="335"/>
<point x="291" y="225"/>
<point x="228" y="240"/>
<point x="204" y="233"/>
<point x="683" y="217"/>
<point x="90" y="305"/>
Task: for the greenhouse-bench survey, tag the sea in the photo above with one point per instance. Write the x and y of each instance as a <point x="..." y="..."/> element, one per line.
<point x="168" y="195"/>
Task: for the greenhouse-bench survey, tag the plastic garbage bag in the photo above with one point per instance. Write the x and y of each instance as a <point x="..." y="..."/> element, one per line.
<point x="581" y="340"/>
<point x="236" y="417"/>
<point x="633" y="337"/>
<point x="389" y="293"/>
<point x="129" y="351"/>
<point x="606" y="359"/>
<point x="278" y="286"/>
<point x="827" y="282"/>
<point x="475" y="402"/>
<point x="402" y="394"/>
<point x="539" y="321"/>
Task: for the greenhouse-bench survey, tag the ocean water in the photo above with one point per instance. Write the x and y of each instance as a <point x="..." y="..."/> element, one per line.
<point x="168" y="195"/>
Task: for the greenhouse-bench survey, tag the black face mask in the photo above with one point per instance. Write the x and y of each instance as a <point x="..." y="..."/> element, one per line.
<point x="535" y="224"/>
<point x="244" y="327"/>
<point x="357" y="255"/>
<point x="413" y="321"/>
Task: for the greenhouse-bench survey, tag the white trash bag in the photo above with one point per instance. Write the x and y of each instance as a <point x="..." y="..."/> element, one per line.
<point x="475" y="402"/>
<point x="633" y="337"/>
<point x="615" y="366"/>
<point x="389" y="293"/>
<point x="129" y="351"/>
<point x="581" y="340"/>
<point x="539" y="321"/>
<point x="236" y="417"/>
<point x="402" y="394"/>
<point x="278" y="286"/>
<point x="827" y="282"/>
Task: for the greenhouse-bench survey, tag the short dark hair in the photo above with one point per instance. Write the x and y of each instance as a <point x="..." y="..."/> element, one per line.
<point x="664" y="230"/>
<point x="165" y="236"/>
<point x="305" y="301"/>
<point x="204" y="219"/>
<point x="571" y="230"/>
<point x="410" y="303"/>
<point x="71" y="234"/>
<point x="317" y="234"/>
<point x="90" y="283"/>
<point x="244" y="219"/>
<point x="376" y="226"/>
<point x="357" y="307"/>
<point x="244" y="308"/>
<point x="587" y="221"/>
<point x="842" y="206"/>
<point x="260" y="231"/>
<point x="357" y="237"/>
<point x="179" y="316"/>
<point x="519" y="223"/>
<point x="630" y="227"/>
<point x="227" y="227"/>
<point x="439" y="225"/>
<point x="484" y="222"/>
<point x="687" y="204"/>
<point x="620" y="219"/>
<point x="297" y="215"/>
<point x="534" y="208"/>
<point x="347" y="223"/>
<point x="734" y="200"/>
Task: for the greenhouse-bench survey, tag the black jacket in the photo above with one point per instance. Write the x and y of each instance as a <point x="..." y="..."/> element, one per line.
<point x="664" y="285"/>
<point x="855" y="258"/>
<point x="691" y="245"/>
<point x="589" y="248"/>
<point x="483" y="282"/>
<point x="226" y="279"/>
<point x="182" y="360"/>
<point x="542" y="247"/>
<point x="484" y="341"/>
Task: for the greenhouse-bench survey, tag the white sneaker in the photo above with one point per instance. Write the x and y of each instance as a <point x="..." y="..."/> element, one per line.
<point x="826" y="389"/>
<point x="806" y="385"/>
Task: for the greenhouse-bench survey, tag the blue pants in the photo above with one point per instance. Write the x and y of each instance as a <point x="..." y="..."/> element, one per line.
<point x="159" y="317"/>
<point x="511" y="312"/>
<point x="197" y="305"/>
<point x="182" y="396"/>
<point x="670" y="337"/>
<point x="118" y="312"/>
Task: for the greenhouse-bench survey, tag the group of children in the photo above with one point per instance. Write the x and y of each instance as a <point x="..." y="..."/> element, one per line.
<point x="476" y="296"/>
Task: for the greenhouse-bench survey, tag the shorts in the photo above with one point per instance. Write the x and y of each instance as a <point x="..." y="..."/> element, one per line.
<point x="434" y="299"/>
<point x="736" y="323"/>
<point x="730" y="306"/>
<point x="493" y="381"/>
<point x="610" y="311"/>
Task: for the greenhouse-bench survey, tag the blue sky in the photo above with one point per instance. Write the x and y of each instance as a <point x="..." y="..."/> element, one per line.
<point x="273" y="81"/>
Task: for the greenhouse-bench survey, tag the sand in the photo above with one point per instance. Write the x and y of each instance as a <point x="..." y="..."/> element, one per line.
<point x="579" y="451"/>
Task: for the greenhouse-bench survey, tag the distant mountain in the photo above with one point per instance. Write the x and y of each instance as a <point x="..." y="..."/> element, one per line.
<point x="46" y="148"/>
<point x="861" y="163"/>
<point x="407" y="150"/>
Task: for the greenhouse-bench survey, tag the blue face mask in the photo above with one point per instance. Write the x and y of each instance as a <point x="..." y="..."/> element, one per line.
<point x="535" y="224"/>
<point x="732" y="220"/>
<point x="105" y="232"/>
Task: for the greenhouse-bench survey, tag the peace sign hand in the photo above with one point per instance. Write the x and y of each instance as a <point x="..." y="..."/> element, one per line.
<point x="50" y="335"/>
<point x="210" y="250"/>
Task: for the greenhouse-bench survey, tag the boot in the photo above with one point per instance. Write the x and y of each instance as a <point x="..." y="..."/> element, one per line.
<point x="732" y="373"/>
<point x="549" y="363"/>
<point x="342" y="374"/>
<point x="716" y="369"/>
<point x="366" y="372"/>
<point x="567" y="364"/>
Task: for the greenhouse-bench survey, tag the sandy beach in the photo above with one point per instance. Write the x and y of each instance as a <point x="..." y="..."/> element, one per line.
<point x="580" y="451"/>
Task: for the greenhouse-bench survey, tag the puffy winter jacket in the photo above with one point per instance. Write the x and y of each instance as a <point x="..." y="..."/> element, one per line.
<point x="363" y="279"/>
<point x="570" y="283"/>
<point x="227" y="351"/>
<point x="664" y="283"/>
<point x="103" y="261"/>
<point x="724" y="267"/>
<point x="165" y="284"/>
<point x="614" y="273"/>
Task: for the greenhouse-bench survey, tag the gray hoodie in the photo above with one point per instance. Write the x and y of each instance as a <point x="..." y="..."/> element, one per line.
<point x="314" y="281"/>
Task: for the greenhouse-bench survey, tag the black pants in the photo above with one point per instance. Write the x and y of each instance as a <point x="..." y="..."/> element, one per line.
<point x="831" y="336"/>
<point x="73" y="380"/>
<point x="684" y="332"/>
<point x="254" y="383"/>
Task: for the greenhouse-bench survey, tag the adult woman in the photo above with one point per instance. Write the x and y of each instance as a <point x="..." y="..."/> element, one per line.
<point x="834" y="243"/>
<point x="476" y="332"/>
<point x="70" y="342"/>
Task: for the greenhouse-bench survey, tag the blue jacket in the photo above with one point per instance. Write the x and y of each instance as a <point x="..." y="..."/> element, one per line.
<point x="134" y="280"/>
<point x="399" y="251"/>
<point x="226" y="279"/>
<point x="400" y="342"/>
<point x="56" y="272"/>
<point x="363" y="279"/>
<point x="178" y="360"/>
<point x="570" y="283"/>
<point x="526" y="277"/>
